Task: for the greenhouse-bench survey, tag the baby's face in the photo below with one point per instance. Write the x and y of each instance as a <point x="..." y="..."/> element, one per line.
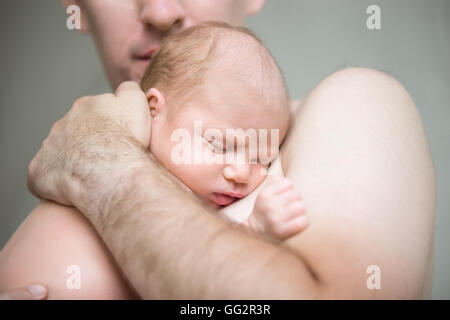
<point x="213" y="144"/>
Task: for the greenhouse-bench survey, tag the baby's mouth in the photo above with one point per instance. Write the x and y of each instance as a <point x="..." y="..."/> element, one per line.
<point x="224" y="199"/>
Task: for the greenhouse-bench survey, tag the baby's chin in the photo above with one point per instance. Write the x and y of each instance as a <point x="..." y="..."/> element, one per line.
<point x="216" y="206"/>
<point x="213" y="205"/>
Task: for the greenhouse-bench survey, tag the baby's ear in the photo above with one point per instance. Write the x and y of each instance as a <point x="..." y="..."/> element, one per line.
<point x="156" y="102"/>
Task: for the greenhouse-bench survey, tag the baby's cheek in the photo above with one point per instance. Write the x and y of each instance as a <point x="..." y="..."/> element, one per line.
<point x="263" y="171"/>
<point x="259" y="174"/>
<point x="208" y="156"/>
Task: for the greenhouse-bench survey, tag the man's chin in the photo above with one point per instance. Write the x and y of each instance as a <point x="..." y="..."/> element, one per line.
<point x="139" y="68"/>
<point x="134" y="73"/>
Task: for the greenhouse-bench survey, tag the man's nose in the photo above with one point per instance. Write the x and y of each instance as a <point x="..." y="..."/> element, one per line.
<point x="238" y="173"/>
<point x="162" y="14"/>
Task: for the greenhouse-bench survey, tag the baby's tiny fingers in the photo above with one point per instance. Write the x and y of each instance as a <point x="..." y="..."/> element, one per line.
<point x="289" y="196"/>
<point x="280" y="186"/>
<point x="295" y="226"/>
<point x="286" y="214"/>
<point x="295" y="208"/>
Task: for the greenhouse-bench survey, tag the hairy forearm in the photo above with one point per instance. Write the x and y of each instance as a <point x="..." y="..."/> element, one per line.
<point x="169" y="245"/>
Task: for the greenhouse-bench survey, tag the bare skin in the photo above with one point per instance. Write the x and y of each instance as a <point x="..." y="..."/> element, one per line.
<point x="358" y="154"/>
<point x="377" y="173"/>
<point x="52" y="238"/>
<point x="370" y="199"/>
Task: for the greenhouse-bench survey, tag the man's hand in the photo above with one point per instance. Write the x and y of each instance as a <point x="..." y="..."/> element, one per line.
<point x="279" y="211"/>
<point x="85" y="152"/>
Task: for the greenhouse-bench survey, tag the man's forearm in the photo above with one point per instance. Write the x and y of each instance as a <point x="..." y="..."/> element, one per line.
<point x="171" y="246"/>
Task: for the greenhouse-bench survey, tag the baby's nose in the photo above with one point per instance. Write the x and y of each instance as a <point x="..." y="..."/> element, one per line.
<point x="238" y="173"/>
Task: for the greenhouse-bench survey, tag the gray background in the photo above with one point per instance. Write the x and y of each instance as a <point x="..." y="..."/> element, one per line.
<point x="45" y="67"/>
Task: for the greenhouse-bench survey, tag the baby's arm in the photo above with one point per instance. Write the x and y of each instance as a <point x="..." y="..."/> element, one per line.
<point x="279" y="211"/>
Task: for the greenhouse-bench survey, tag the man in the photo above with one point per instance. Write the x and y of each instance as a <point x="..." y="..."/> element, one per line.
<point x="358" y="153"/>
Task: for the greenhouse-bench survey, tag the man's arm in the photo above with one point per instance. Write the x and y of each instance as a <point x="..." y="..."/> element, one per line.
<point x="171" y="246"/>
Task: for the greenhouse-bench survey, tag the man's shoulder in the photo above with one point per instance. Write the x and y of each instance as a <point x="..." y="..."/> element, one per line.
<point x="295" y="105"/>
<point x="369" y="192"/>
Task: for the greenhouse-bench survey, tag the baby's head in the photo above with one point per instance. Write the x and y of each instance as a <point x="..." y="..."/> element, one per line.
<point x="217" y="100"/>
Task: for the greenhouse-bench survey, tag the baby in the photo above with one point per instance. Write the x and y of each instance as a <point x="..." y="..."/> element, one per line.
<point x="220" y="110"/>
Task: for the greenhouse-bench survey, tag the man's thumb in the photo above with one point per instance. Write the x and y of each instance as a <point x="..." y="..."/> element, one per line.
<point x="32" y="292"/>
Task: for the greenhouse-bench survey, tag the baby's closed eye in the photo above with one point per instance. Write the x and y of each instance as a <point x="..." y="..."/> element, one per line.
<point x="214" y="146"/>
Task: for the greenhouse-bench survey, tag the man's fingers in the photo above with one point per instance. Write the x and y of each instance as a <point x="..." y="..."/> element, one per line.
<point x="127" y="87"/>
<point x="135" y="112"/>
<point x="32" y="292"/>
<point x="131" y="93"/>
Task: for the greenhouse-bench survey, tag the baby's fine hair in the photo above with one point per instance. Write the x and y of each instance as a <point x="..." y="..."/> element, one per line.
<point x="184" y="59"/>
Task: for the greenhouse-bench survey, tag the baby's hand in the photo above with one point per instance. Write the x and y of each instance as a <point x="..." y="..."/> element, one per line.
<point x="279" y="211"/>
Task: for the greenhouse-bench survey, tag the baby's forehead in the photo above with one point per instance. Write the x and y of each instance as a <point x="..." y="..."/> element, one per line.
<point x="224" y="116"/>
<point x="244" y="98"/>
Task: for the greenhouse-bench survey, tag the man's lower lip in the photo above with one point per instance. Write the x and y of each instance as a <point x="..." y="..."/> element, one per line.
<point x="223" y="199"/>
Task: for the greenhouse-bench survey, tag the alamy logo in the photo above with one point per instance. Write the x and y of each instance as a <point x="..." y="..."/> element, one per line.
<point x="374" y="280"/>
<point x="374" y="20"/>
<point x="190" y="149"/>
<point x="74" y="19"/>
<point x="74" y="280"/>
